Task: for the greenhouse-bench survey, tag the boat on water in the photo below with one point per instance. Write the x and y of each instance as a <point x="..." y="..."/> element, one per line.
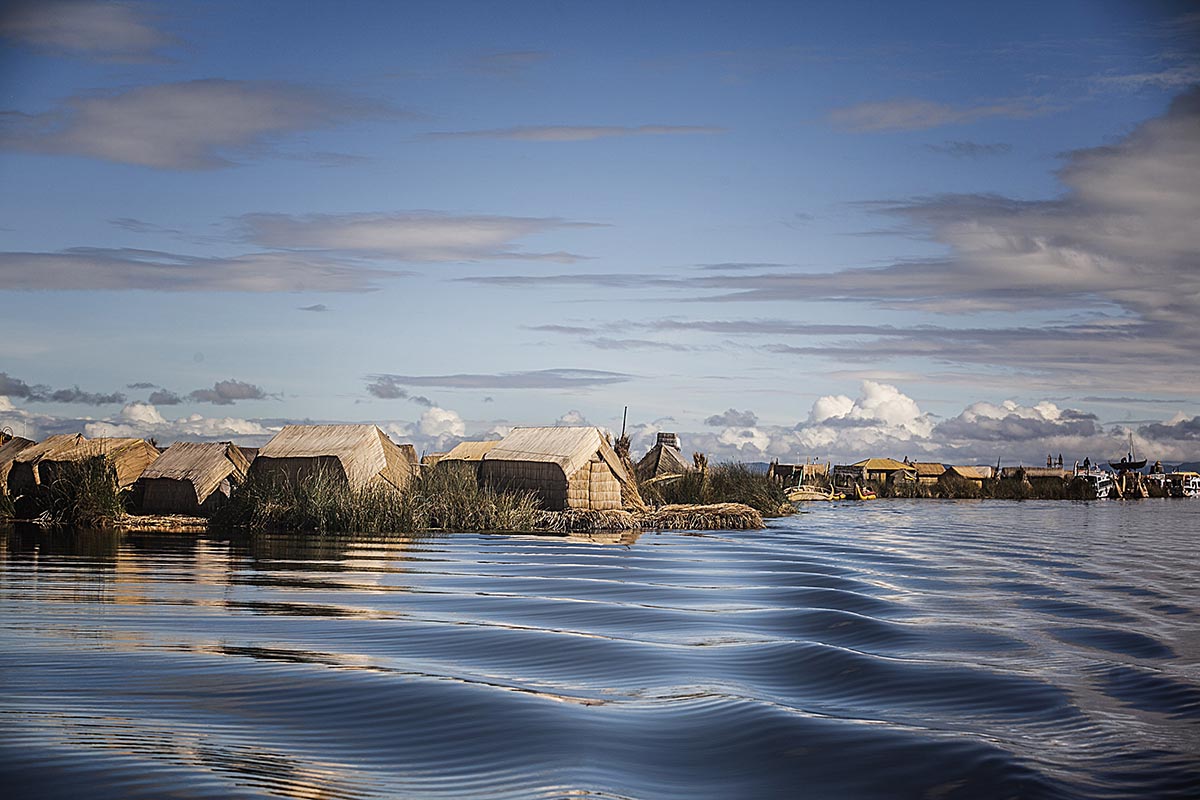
<point x="1128" y="463"/>
<point x="1101" y="482"/>
<point x="864" y="494"/>
<point x="799" y="494"/>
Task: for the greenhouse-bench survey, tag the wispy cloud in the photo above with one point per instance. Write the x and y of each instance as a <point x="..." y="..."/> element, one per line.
<point x="100" y="31"/>
<point x="124" y="269"/>
<point x="39" y="393"/>
<point x="423" y="236"/>
<point x="962" y="149"/>
<point x="191" y="125"/>
<point x="576" y="133"/>
<point x="228" y="392"/>
<point x="535" y="379"/>
<point x="315" y="308"/>
<point x="915" y="115"/>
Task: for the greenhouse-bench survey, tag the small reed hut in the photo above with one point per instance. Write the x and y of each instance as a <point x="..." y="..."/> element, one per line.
<point x="664" y="458"/>
<point x="361" y="454"/>
<point x="8" y="452"/>
<point x="928" y="472"/>
<point x="129" y="458"/>
<point x="976" y="475"/>
<point x="472" y="452"/>
<point x="192" y="478"/>
<point x="24" y="474"/>
<point x="567" y="467"/>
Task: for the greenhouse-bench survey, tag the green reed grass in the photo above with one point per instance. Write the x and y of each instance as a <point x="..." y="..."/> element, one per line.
<point x="83" y="494"/>
<point x="727" y="482"/>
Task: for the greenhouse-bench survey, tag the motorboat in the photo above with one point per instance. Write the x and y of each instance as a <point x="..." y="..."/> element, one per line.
<point x="1100" y="481"/>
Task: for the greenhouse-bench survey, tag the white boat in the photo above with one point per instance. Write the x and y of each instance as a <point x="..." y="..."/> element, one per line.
<point x="1183" y="484"/>
<point x="1100" y="481"/>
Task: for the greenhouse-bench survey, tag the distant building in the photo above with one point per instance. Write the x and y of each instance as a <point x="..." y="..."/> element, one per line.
<point x="928" y="472"/>
<point x="664" y="458"/>
<point x="878" y="470"/>
<point x="976" y="475"/>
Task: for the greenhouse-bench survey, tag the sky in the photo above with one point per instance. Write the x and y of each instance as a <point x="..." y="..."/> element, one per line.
<point x="946" y="231"/>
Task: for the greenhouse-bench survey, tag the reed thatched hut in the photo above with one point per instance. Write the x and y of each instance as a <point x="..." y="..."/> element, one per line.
<point x="192" y="478"/>
<point x="8" y="452"/>
<point x="129" y="458"/>
<point x="359" y="454"/>
<point x="24" y="473"/>
<point x="976" y="475"/>
<point x="567" y="467"/>
<point x="928" y="472"/>
<point x="664" y="458"/>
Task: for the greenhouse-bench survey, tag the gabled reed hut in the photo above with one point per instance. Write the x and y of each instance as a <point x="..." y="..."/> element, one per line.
<point x="24" y="475"/>
<point x="129" y="458"/>
<point x="564" y="467"/>
<point x="664" y="458"/>
<point x="192" y="478"/>
<point x="360" y="454"/>
<point x="8" y="452"/>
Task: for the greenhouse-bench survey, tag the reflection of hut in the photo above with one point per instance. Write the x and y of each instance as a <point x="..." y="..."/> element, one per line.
<point x="928" y="472"/>
<point x="192" y="478"/>
<point x="24" y="473"/>
<point x="359" y="454"/>
<point x="9" y="451"/>
<point x="976" y="475"/>
<point x="664" y="458"/>
<point x="566" y="467"/>
<point x="468" y="452"/>
<point x="129" y="458"/>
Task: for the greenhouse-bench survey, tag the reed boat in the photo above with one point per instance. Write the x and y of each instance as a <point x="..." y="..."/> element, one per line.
<point x="1127" y="462"/>
<point x="798" y="494"/>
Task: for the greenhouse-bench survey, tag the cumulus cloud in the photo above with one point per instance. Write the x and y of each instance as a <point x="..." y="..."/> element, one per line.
<point x="101" y="31"/>
<point x="190" y="125"/>
<point x="386" y="387"/>
<point x="1010" y="422"/>
<point x="103" y="269"/>
<point x="913" y="115"/>
<point x="732" y="418"/>
<point x="143" y="420"/>
<point x="881" y="416"/>
<point x="1177" y="429"/>
<point x="574" y="417"/>
<point x="441" y="422"/>
<point x="422" y="236"/>
<point x="576" y="133"/>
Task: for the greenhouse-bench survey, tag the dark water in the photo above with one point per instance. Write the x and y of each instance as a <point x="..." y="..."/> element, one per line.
<point x="878" y="650"/>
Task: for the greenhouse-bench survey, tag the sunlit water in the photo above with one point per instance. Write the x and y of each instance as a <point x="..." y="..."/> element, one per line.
<point x="879" y="650"/>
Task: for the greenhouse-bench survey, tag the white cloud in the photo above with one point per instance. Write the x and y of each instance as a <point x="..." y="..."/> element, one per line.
<point x="441" y="422"/>
<point x="143" y="420"/>
<point x="746" y="441"/>
<point x="572" y="417"/>
<point x="191" y="125"/>
<point x="407" y="235"/>
<point x="913" y="115"/>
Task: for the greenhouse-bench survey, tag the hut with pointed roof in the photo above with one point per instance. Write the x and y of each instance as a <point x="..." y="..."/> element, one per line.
<point x="192" y="478"/>
<point x="664" y="458"/>
<point x="468" y="452"/>
<point x="879" y="470"/>
<point x="976" y="475"/>
<point x="129" y="457"/>
<point x="24" y="472"/>
<point x="11" y="448"/>
<point x="361" y="455"/>
<point x="928" y="472"/>
<point x="566" y="467"/>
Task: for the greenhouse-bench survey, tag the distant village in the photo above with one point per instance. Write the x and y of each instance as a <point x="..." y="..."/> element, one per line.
<point x="558" y="469"/>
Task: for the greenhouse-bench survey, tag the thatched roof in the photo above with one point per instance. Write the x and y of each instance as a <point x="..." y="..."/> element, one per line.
<point x="130" y="457"/>
<point x="364" y="452"/>
<point x="881" y="465"/>
<point x="49" y="445"/>
<point x="9" y="451"/>
<point x="1035" y="472"/>
<point x="970" y="473"/>
<point x="928" y="469"/>
<point x="203" y="464"/>
<point x="662" y="459"/>
<point x="469" y="451"/>
<point x="569" y="447"/>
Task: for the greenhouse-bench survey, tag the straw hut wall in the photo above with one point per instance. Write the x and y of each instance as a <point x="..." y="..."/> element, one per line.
<point x="129" y="458"/>
<point x="567" y="467"/>
<point x="192" y="478"/>
<point x="25" y="474"/>
<point x="664" y="458"/>
<point x="9" y="451"/>
<point x="359" y="454"/>
<point x="975" y="474"/>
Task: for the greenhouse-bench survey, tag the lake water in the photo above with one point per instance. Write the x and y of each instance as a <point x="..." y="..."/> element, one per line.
<point x="879" y="650"/>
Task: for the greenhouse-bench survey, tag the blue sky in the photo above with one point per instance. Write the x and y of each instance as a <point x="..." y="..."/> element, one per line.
<point x="788" y="230"/>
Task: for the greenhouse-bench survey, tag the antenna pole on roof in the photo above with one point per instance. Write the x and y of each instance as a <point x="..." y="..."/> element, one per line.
<point x="623" y="418"/>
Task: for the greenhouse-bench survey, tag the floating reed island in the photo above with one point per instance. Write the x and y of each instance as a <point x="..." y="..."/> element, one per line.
<point x="353" y="478"/>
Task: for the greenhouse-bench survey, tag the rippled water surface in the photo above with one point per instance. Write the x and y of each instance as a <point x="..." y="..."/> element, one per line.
<point x="890" y="649"/>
